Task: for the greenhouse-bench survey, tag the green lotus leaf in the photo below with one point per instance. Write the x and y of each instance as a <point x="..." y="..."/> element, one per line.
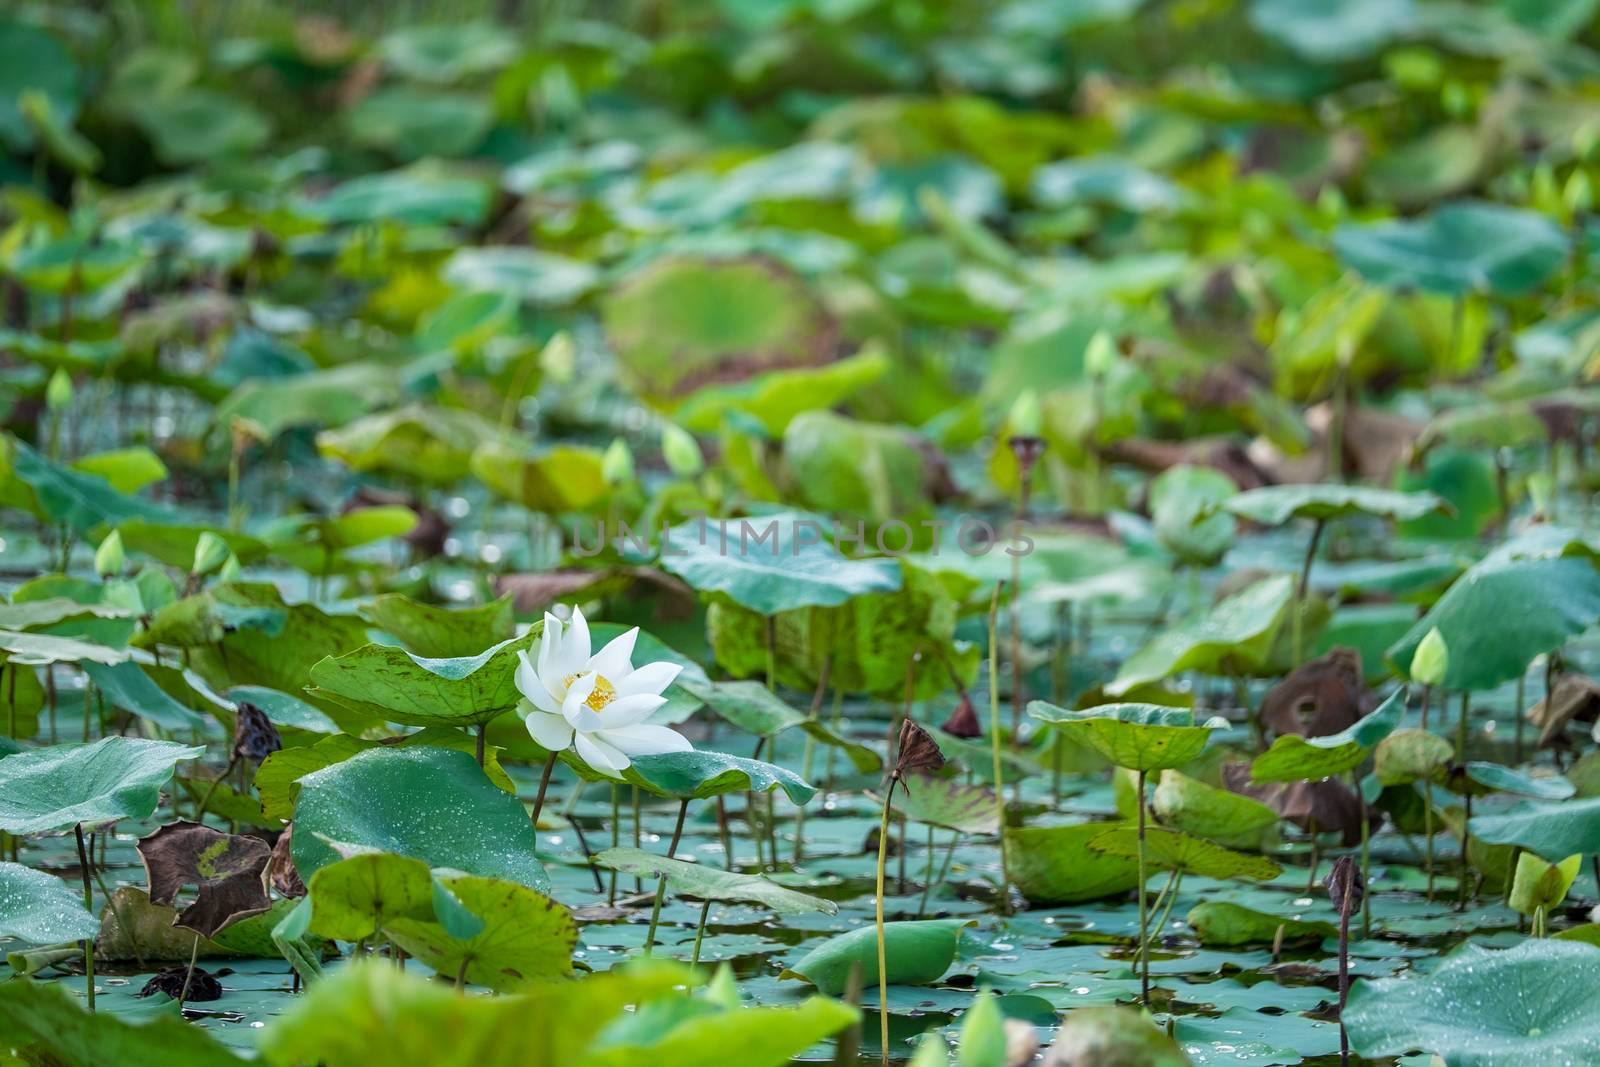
<point x="442" y="633"/>
<point x="1274" y="505"/>
<point x="41" y="908"/>
<point x="1552" y="830"/>
<point x="918" y="952"/>
<point x="1228" y="818"/>
<point x="385" y="682"/>
<point x="1053" y="864"/>
<point x="1140" y="737"/>
<point x="1529" y="1004"/>
<point x="521" y="937"/>
<point x="711" y="883"/>
<point x="429" y="803"/>
<point x="1173" y="851"/>
<point x="43" y="1018"/>
<point x="1236" y="633"/>
<point x="1223" y="923"/>
<point x="90" y="785"/>
<point x="948" y="802"/>
<point x="1460" y="248"/>
<point x="1411" y="756"/>
<point x="1293" y="758"/>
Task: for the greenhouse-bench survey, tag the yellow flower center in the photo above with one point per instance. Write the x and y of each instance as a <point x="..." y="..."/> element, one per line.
<point x="604" y="692"/>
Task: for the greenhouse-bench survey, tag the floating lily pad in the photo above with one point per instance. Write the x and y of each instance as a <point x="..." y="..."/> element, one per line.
<point x="1482" y="1008"/>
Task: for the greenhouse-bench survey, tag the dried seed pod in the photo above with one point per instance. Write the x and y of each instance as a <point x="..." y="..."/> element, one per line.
<point x="1345" y="886"/>
<point x="918" y="751"/>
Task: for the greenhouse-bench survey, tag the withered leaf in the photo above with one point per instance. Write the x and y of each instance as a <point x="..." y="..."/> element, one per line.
<point x="202" y="984"/>
<point x="963" y="722"/>
<point x="1320" y="697"/>
<point x="918" y="750"/>
<point x="1344" y="885"/>
<point x="1328" y="805"/>
<point x="282" y="875"/>
<point x="254" y="736"/>
<point x="226" y="869"/>
<point x="1573" y="698"/>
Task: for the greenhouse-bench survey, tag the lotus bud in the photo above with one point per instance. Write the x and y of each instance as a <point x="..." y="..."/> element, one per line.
<point x="1431" y="661"/>
<point x="210" y="553"/>
<point x="1026" y="418"/>
<point x="559" y="358"/>
<point x="1101" y="355"/>
<point x="616" y="466"/>
<point x="108" y="558"/>
<point x="58" y="393"/>
<point x="681" y="450"/>
<point x="231" y="571"/>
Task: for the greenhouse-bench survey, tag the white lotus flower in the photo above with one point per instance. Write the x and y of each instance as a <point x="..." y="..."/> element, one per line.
<point x="596" y="704"/>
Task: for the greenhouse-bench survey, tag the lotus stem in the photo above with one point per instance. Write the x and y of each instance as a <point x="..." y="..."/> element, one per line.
<point x="483" y="732"/>
<point x="1143" y="958"/>
<point x="188" y="975"/>
<point x="1366" y="860"/>
<point x="1297" y="623"/>
<point x="927" y="881"/>
<point x="88" y="906"/>
<point x="661" y="879"/>
<point x="200" y="812"/>
<point x="994" y="747"/>
<point x="883" y="962"/>
<point x="1170" y="892"/>
<point x="810" y="753"/>
<point x="1427" y="833"/>
<point x="544" y="785"/>
<point x="616" y="839"/>
<point x="700" y="931"/>
<point x="1344" y="976"/>
<point x="1461" y="729"/>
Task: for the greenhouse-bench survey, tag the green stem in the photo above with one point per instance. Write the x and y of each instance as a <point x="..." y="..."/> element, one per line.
<point x="994" y="748"/>
<point x="1301" y="588"/>
<point x="88" y="906"/>
<point x="883" y="962"/>
<point x="1143" y="960"/>
<point x="1170" y="892"/>
<point x="700" y="931"/>
<point x="661" y="880"/>
<point x="544" y="785"/>
<point x="1427" y="831"/>
<point x="927" y="881"/>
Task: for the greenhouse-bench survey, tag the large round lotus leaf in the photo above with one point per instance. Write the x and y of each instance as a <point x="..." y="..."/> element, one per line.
<point x="1274" y="505"/>
<point x="947" y="802"/>
<point x="1223" y="923"/>
<point x="1237" y="633"/>
<point x="200" y="124"/>
<point x="1184" y="511"/>
<point x="917" y="952"/>
<point x="1332" y="33"/>
<point x="1053" y="864"/>
<point x="433" y="804"/>
<point x="1140" y="737"/>
<point x="104" y="781"/>
<point x="1172" y="851"/>
<point x="1194" y="807"/>
<point x="1465" y="247"/>
<point x="352" y="898"/>
<point x="1553" y="830"/>
<point x="1503" y="612"/>
<point x="713" y="883"/>
<point x="775" y="398"/>
<point x="414" y="196"/>
<point x="772" y="563"/>
<point x="1112" y="1037"/>
<point x="530" y="275"/>
<point x="442" y="633"/>
<point x="680" y="323"/>
<point x="1411" y="756"/>
<point x="1105" y="181"/>
<point x="446" y="52"/>
<point x="84" y="502"/>
<point x="1536" y="1003"/>
<point x="842" y="466"/>
<point x="520" y="937"/>
<point x="1293" y="758"/>
<point x="698" y="775"/>
<point x="40" y="908"/>
<point x="413" y="123"/>
<point x="31" y="58"/>
<point x="386" y="682"/>
<point x="556" y="479"/>
<point x="431" y="444"/>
